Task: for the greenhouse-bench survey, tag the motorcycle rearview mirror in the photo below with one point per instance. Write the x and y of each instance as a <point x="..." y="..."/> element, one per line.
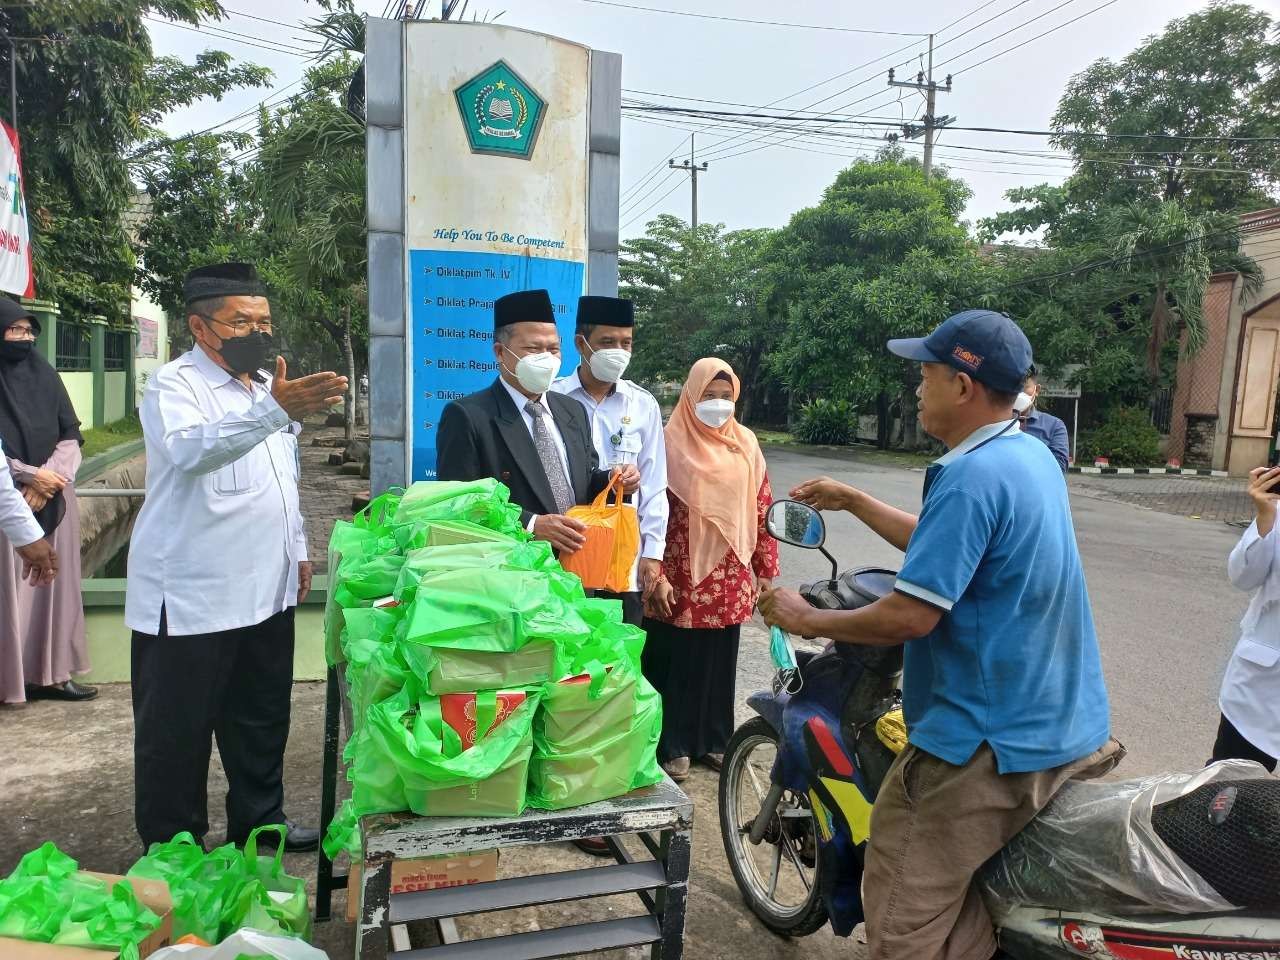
<point x="799" y="525"/>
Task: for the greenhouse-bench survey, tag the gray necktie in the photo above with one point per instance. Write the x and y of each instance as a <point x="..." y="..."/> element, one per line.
<point x="550" y="457"/>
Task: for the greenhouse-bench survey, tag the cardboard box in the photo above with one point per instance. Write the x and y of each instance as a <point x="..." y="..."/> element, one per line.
<point x="153" y="894"/>
<point x="429" y="873"/>
<point x="458" y="710"/>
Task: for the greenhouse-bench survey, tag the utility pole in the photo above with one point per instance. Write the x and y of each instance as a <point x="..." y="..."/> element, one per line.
<point x="932" y="122"/>
<point x="693" y="169"/>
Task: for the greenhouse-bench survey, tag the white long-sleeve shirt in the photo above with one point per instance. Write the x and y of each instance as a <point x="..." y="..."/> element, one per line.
<point x="626" y="427"/>
<point x="220" y="535"/>
<point x="1251" y="688"/>
<point x="17" y="521"/>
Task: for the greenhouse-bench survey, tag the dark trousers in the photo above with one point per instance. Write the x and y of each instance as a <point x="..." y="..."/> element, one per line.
<point x="632" y="605"/>
<point x="696" y="672"/>
<point x="1231" y="745"/>
<point x="234" y="686"/>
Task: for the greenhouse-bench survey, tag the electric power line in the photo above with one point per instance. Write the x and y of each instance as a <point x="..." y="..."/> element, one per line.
<point x="769" y="23"/>
<point x="233" y="37"/>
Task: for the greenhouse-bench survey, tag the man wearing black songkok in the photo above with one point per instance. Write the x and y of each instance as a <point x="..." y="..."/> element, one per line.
<point x="217" y="564"/>
<point x="532" y="439"/>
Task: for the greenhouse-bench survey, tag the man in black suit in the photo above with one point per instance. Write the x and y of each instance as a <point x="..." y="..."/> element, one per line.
<point x="538" y="443"/>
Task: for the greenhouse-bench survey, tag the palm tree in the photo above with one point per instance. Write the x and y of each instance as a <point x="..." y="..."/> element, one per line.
<point x="1174" y="252"/>
<point x="312" y="185"/>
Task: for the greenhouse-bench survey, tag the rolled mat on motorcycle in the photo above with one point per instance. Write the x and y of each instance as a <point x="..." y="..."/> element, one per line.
<point x="1181" y="865"/>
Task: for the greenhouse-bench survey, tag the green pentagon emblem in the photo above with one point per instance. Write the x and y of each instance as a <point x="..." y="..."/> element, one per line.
<point x="501" y="113"/>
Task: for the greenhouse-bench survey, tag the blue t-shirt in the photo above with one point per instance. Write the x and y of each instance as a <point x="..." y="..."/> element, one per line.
<point x="1014" y="660"/>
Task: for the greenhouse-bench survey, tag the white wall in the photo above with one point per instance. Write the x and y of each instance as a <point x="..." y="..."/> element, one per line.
<point x="143" y="310"/>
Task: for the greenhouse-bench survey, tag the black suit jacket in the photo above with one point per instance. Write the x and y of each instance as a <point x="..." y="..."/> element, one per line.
<point x="484" y="435"/>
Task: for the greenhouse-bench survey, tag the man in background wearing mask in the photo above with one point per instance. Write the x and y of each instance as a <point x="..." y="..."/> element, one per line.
<point x="536" y="442"/>
<point x="217" y="563"/>
<point x="1045" y="427"/>
<point x="626" y="428"/>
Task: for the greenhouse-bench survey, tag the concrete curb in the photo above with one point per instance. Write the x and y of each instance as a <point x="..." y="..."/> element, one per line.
<point x="96" y="466"/>
<point x="1148" y="471"/>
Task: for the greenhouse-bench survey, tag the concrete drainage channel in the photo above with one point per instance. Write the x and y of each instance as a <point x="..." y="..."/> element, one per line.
<point x="109" y="490"/>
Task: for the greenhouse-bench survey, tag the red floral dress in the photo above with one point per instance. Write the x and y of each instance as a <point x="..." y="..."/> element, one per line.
<point x="728" y="595"/>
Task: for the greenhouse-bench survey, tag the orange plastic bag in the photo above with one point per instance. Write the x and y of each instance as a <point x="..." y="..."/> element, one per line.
<point x="613" y="542"/>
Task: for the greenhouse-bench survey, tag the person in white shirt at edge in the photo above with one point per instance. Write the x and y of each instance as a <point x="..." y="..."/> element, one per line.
<point x="626" y="428"/>
<point x="1250" y="724"/>
<point x="217" y="563"/>
<point x="18" y="524"/>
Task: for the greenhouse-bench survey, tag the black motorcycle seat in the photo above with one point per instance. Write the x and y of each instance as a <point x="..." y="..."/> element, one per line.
<point x="1229" y="833"/>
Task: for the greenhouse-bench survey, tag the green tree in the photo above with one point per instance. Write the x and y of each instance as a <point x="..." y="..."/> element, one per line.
<point x="90" y="93"/>
<point x="311" y="183"/>
<point x="702" y="294"/>
<point x="1182" y="115"/>
<point x="199" y="209"/>
<point x="882" y="255"/>
<point x="1172" y="251"/>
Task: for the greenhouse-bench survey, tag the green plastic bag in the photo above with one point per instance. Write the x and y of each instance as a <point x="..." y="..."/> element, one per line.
<point x="493" y="555"/>
<point x="495" y="610"/>
<point x="376" y="668"/>
<point x="597" y="737"/>
<point x="47" y="900"/>
<point x="408" y="758"/>
<point x="204" y="886"/>
<point x="343" y="835"/>
<point x="483" y="502"/>
<point x="448" y="670"/>
<point x="285" y="896"/>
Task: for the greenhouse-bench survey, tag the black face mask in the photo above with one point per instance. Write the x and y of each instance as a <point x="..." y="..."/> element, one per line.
<point x="14" y="351"/>
<point x="247" y="354"/>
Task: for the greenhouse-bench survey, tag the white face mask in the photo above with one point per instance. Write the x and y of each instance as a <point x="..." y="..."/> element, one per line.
<point x="609" y="365"/>
<point x="714" y="413"/>
<point x="1023" y="403"/>
<point x="537" y="371"/>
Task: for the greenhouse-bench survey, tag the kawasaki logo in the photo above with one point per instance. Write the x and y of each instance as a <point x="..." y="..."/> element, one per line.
<point x="1181" y="952"/>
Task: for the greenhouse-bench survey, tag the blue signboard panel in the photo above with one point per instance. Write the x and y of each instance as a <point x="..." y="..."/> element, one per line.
<point x="451" y="343"/>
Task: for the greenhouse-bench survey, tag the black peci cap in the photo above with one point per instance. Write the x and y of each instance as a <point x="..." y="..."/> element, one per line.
<point x="223" y="280"/>
<point x="606" y="312"/>
<point x="523" y="306"/>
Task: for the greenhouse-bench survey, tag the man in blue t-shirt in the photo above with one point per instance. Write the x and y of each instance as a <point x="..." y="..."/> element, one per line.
<point x="1045" y="427"/>
<point x="1002" y="686"/>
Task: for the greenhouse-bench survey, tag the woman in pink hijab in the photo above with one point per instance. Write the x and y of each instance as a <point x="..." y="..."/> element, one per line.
<point x="717" y="561"/>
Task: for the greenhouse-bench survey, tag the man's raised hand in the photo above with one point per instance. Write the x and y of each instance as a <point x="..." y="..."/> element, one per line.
<point x="306" y="395"/>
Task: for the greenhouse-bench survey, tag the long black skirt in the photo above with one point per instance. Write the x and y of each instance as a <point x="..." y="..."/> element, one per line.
<point x="695" y="671"/>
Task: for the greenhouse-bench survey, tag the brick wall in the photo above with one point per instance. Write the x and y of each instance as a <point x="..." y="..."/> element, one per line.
<point x="1200" y="373"/>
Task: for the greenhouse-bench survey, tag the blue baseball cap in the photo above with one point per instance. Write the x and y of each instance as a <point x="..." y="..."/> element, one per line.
<point x="987" y="345"/>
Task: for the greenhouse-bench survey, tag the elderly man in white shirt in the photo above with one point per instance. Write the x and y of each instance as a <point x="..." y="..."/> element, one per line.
<point x="1250" y="724"/>
<point x="217" y="563"/>
<point x="18" y="523"/>
<point x="626" y="428"/>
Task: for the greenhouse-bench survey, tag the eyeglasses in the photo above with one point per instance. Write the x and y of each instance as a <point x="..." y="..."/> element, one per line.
<point x="241" y="327"/>
<point x="19" y="333"/>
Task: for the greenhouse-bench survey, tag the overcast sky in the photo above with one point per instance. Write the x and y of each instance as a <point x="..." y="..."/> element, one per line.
<point x="756" y="64"/>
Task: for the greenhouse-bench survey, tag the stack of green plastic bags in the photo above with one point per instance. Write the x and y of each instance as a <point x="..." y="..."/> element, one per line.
<point x="438" y="590"/>
<point x="217" y="893"/>
<point x="48" y="900"/>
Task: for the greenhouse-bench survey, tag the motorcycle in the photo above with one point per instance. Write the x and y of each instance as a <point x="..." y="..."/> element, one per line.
<point x="1170" y="867"/>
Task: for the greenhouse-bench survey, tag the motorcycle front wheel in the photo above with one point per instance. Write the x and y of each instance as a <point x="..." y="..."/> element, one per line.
<point x="779" y="877"/>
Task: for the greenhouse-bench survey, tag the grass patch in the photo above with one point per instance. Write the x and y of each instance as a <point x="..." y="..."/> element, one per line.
<point x="101" y="439"/>
<point x="773" y="436"/>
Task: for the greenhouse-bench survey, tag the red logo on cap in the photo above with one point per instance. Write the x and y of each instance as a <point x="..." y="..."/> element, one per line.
<point x="967" y="357"/>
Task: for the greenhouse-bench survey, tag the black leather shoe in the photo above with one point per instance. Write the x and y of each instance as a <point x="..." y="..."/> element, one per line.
<point x="63" y="691"/>
<point x="297" y="839"/>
